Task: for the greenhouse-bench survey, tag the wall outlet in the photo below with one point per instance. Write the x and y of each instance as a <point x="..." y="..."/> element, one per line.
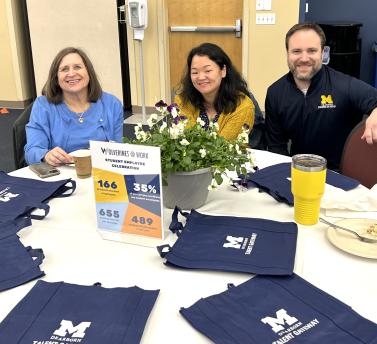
<point x="263" y="5"/>
<point x="265" y="18"/>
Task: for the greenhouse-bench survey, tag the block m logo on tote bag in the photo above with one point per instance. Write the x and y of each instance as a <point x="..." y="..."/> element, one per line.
<point x="282" y="318"/>
<point x="233" y="242"/>
<point x="67" y="327"/>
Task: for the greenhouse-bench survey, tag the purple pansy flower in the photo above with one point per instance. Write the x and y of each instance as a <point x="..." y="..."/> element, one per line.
<point x="171" y="106"/>
<point x="179" y="118"/>
<point x="160" y="104"/>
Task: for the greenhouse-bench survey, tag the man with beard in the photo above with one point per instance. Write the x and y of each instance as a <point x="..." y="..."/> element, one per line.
<point x="314" y="106"/>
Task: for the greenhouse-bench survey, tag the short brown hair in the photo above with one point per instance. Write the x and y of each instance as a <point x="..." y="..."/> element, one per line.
<point x="52" y="90"/>
<point x="306" y="26"/>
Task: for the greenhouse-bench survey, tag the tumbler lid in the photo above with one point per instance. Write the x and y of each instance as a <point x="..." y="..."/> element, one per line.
<point x="309" y="162"/>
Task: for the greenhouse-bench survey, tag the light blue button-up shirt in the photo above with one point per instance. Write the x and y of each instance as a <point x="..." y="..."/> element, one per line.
<point x="53" y="125"/>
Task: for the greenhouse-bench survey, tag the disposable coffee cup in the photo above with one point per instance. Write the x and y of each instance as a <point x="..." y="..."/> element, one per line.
<point x="83" y="163"/>
<point x="308" y="185"/>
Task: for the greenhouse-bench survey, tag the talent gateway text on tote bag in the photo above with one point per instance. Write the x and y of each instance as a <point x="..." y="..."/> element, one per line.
<point x="68" y="313"/>
<point x="231" y="243"/>
<point x="277" y="310"/>
<point x="20" y="196"/>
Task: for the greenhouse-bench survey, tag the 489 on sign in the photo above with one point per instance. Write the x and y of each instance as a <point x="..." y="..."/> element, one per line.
<point x="142" y="220"/>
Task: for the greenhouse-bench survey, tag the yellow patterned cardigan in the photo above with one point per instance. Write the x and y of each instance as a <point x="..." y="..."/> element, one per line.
<point x="230" y="124"/>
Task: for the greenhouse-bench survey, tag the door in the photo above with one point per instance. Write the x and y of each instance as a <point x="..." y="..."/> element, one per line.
<point x="201" y="13"/>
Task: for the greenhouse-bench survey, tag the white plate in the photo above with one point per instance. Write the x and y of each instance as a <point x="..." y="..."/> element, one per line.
<point x="349" y="242"/>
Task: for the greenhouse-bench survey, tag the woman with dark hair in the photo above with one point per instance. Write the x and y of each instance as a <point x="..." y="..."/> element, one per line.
<point x="72" y="110"/>
<point x="214" y="91"/>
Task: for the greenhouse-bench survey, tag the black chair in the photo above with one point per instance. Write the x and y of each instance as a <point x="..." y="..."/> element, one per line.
<point x="19" y="137"/>
<point x="359" y="159"/>
<point x="257" y="138"/>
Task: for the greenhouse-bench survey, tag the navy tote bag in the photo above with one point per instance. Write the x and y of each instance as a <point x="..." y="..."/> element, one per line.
<point x="13" y="227"/>
<point x="68" y="313"/>
<point x="20" y="196"/>
<point x="18" y="264"/>
<point x="231" y="243"/>
<point x="273" y="180"/>
<point x="277" y="310"/>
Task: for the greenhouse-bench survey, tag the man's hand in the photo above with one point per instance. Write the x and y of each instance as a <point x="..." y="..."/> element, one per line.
<point x="57" y="157"/>
<point x="370" y="132"/>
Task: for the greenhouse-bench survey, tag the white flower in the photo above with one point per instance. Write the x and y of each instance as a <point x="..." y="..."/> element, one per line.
<point x="152" y="120"/>
<point x="230" y="146"/>
<point x="174" y="132"/>
<point x="137" y="128"/>
<point x="162" y="127"/>
<point x="213" y="134"/>
<point x="201" y="122"/>
<point x="184" y="142"/>
<point x="243" y="137"/>
<point x="161" y="109"/>
<point x="174" y="112"/>
<point x="202" y="152"/>
<point x="181" y="126"/>
<point x="238" y="150"/>
<point x="142" y="135"/>
<point x="216" y="126"/>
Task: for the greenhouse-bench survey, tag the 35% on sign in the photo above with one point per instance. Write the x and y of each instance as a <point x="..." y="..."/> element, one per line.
<point x="145" y="188"/>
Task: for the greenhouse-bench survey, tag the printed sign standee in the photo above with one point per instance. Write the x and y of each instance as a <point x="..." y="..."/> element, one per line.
<point x="128" y="194"/>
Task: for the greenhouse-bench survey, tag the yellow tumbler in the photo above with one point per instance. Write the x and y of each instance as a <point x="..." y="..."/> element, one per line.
<point x="308" y="185"/>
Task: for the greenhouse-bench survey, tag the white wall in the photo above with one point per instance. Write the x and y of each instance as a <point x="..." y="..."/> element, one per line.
<point x="88" y="24"/>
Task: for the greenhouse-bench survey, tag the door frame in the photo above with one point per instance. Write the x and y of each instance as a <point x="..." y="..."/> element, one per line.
<point x="164" y="45"/>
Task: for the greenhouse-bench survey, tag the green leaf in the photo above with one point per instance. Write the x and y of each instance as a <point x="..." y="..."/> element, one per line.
<point x="218" y="178"/>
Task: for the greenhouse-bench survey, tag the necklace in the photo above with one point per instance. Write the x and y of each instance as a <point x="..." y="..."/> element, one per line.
<point x="80" y="117"/>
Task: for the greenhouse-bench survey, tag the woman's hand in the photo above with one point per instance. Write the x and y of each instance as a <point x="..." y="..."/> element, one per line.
<point x="57" y="157"/>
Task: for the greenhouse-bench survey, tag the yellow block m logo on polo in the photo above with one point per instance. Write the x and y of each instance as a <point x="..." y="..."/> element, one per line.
<point x="326" y="99"/>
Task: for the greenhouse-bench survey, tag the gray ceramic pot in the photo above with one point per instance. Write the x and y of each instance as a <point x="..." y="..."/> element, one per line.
<point x="187" y="190"/>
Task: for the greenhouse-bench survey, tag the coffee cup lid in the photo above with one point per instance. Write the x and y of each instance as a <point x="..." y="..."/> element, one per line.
<point x="80" y="153"/>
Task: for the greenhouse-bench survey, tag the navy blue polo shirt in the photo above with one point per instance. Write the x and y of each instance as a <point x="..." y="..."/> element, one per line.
<point x="320" y="121"/>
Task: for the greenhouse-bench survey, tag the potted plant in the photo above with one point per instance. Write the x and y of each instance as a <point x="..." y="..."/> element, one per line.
<point x="193" y="159"/>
